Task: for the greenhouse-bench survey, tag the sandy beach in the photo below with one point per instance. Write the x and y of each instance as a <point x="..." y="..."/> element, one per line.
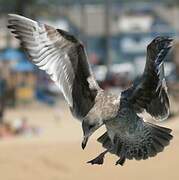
<point x="56" y="154"/>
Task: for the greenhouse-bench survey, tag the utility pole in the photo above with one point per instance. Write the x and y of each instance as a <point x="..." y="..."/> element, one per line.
<point x="107" y="34"/>
<point x="84" y="22"/>
<point x="21" y="6"/>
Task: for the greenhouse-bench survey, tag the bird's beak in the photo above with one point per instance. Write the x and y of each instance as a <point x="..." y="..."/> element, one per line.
<point x="84" y="142"/>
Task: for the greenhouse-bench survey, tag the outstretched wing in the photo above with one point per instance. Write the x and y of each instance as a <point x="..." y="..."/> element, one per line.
<point x="150" y="93"/>
<point x="62" y="56"/>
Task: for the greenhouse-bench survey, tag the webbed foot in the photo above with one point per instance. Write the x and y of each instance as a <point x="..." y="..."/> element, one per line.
<point x="99" y="159"/>
<point x="121" y="161"/>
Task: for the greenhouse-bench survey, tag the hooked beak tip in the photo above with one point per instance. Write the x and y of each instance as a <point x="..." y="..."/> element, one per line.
<point x="84" y="142"/>
<point x="83" y="146"/>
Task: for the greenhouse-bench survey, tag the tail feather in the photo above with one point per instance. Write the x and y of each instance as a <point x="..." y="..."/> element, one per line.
<point x="154" y="139"/>
<point x="160" y="128"/>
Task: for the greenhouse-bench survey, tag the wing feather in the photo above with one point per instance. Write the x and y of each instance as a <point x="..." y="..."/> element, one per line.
<point x="62" y="56"/>
<point x="150" y="92"/>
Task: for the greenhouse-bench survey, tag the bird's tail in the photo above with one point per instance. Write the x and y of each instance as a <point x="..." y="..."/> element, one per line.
<point x="152" y="140"/>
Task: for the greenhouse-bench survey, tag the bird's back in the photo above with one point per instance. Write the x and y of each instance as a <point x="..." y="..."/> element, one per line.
<point x="106" y="106"/>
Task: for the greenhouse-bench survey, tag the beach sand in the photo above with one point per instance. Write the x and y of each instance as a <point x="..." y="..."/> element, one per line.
<point x="56" y="154"/>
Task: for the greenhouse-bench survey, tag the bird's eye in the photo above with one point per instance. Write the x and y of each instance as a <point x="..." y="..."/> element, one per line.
<point x="91" y="126"/>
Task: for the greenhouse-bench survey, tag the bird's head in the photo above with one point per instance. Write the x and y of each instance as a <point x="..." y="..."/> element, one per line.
<point x="161" y="42"/>
<point x="89" y="127"/>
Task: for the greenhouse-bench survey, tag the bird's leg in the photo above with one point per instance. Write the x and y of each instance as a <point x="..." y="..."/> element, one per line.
<point x="121" y="161"/>
<point x="99" y="159"/>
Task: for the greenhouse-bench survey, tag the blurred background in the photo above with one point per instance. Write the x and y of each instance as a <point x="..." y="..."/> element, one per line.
<point x="38" y="137"/>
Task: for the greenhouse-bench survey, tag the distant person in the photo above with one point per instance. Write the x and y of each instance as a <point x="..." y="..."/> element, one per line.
<point x="2" y="97"/>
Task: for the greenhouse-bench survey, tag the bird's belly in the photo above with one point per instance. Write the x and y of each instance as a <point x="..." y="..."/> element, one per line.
<point x="123" y="123"/>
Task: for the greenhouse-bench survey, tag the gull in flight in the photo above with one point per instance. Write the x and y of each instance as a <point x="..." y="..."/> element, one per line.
<point x="63" y="57"/>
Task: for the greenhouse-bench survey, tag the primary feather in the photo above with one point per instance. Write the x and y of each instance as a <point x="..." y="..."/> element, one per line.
<point x="62" y="56"/>
<point x="150" y="93"/>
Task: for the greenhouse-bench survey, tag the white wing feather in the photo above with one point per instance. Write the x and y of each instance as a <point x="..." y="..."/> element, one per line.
<point x="47" y="49"/>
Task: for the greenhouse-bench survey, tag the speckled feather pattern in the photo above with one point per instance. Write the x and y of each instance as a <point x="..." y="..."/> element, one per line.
<point x="106" y="106"/>
<point x="64" y="59"/>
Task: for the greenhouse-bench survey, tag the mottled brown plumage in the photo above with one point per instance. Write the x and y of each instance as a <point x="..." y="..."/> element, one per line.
<point x="63" y="57"/>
